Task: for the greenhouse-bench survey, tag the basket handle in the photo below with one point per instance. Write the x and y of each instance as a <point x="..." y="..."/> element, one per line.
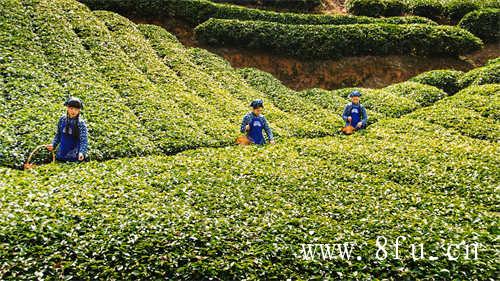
<point x="38" y="148"/>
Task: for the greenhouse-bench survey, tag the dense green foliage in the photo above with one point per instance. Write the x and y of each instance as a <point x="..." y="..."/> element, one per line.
<point x="488" y="74"/>
<point x="453" y="10"/>
<point x="483" y="23"/>
<point x="333" y="41"/>
<point x="424" y="95"/>
<point x="457" y="9"/>
<point x="142" y="83"/>
<point x="292" y="5"/>
<point x="375" y="8"/>
<point x="237" y="213"/>
<point x="471" y="112"/>
<point x="392" y="101"/>
<point x="425" y="168"/>
<point x="198" y="11"/>
<point x="37" y="80"/>
<point x="288" y="101"/>
<point x="446" y="80"/>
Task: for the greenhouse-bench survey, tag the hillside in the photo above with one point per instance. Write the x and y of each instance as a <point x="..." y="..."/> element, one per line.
<point x="168" y="196"/>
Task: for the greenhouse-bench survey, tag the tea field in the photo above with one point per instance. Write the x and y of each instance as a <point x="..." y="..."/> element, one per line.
<point x="168" y="196"/>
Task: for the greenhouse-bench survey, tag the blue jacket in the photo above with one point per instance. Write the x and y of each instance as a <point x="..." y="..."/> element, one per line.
<point x="69" y="145"/>
<point x="265" y="126"/>
<point x="348" y="112"/>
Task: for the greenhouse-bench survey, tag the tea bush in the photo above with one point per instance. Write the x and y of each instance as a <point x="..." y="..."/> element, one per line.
<point x="293" y="5"/>
<point x="198" y="11"/>
<point x="217" y="72"/>
<point x="370" y="8"/>
<point x="233" y="213"/>
<point x="446" y="80"/>
<point x="329" y="100"/>
<point x="488" y="74"/>
<point x="467" y="116"/>
<point x="386" y="103"/>
<point x="213" y="110"/>
<point x="392" y="101"/>
<point x="425" y="95"/>
<point x="432" y="9"/>
<point x="452" y="10"/>
<point x="457" y="9"/>
<point x="375" y="8"/>
<point x="333" y="41"/>
<point x="227" y="213"/>
<point x="484" y="23"/>
<point x="37" y="82"/>
<point x="484" y="99"/>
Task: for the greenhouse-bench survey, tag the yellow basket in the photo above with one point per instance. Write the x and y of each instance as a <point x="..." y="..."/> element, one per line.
<point x="29" y="165"/>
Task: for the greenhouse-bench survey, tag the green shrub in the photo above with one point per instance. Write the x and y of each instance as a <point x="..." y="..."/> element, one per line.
<point x="331" y="101"/>
<point x="330" y="41"/>
<point x="484" y="99"/>
<point x="35" y="71"/>
<point x="493" y="61"/>
<point x="291" y="5"/>
<point x="216" y="72"/>
<point x="489" y="74"/>
<point x="212" y="108"/>
<point x="432" y="9"/>
<point x="371" y="8"/>
<point x="425" y="95"/>
<point x="375" y="8"/>
<point x="393" y="8"/>
<point x="156" y="219"/>
<point x="457" y="9"/>
<point x="198" y="11"/>
<point x="452" y="10"/>
<point x="484" y="23"/>
<point x="467" y="112"/>
<point x="148" y="102"/>
<point x="446" y="80"/>
<point x="386" y="103"/>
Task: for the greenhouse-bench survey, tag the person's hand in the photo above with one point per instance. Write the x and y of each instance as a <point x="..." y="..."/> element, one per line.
<point x="349" y="118"/>
<point x="80" y="157"/>
<point x="49" y="147"/>
<point x="247" y="128"/>
<point x="272" y="142"/>
<point x="360" y="124"/>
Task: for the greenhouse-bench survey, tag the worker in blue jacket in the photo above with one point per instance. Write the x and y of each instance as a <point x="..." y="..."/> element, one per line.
<point x="354" y="112"/>
<point x="71" y="138"/>
<point x="254" y="123"/>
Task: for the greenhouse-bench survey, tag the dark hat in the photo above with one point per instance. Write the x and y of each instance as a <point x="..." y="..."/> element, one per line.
<point x="354" y="94"/>
<point x="74" y="102"/>
<point x="257" y="103"/>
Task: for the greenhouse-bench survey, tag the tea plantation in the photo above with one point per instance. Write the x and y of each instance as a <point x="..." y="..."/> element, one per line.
<point x="168" y="196"/>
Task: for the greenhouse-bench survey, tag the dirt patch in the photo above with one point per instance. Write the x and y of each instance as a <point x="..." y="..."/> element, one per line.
<point x="332" y="7"/>
<point x="367" y="71"/>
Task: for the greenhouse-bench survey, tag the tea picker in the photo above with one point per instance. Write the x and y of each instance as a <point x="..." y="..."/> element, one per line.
<point x="354" y="114"/>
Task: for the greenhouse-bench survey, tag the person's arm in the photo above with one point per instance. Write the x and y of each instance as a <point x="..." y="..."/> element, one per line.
<point x="346" y="113"/>
<point x="364" y="116"/>
<point x="57" y="137"/>
<point x="268" y="130"/>
<point x="244" y="123"/>
<point x="83" y="141"/>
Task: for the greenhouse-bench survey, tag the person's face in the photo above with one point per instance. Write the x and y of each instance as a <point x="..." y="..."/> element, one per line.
<point x="258" y="111"/>
<point x="73" y="111"/>
<point x="355" y="100"/>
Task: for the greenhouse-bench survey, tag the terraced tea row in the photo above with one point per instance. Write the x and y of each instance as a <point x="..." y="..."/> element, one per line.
<point x="243" y="213"/>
